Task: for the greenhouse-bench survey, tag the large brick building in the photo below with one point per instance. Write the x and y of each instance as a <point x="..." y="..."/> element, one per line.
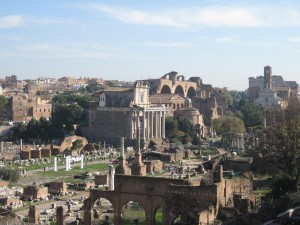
<point x="119" y="112"/>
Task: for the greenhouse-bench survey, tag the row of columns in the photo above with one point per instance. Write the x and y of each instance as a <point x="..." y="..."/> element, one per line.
<point x="152" y="124"/>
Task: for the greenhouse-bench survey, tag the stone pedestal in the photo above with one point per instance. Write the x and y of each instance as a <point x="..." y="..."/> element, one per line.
<point x="138" y="168"/>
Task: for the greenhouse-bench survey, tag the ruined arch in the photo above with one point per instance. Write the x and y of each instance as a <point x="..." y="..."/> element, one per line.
<point x="191" y="92"/>
<point x="179" y="90"/>
<point x="89" y="204"/>
<point x="165" y="90"/>
<point x="180" y="78"/>
<point x="158" y="215"/>
<point x="133" y="210"/>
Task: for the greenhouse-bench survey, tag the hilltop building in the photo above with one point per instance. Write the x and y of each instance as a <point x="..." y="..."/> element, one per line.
<point x="271" y="91"/>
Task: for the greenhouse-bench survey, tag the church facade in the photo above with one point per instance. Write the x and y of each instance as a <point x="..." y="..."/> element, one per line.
<point x="119" y="112"/>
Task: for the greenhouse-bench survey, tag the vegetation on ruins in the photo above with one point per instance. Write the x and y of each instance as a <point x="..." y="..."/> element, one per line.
<point x="228" y="123"/>
<point x="77" y="144"/>
<point x="181" y="131"/>
<point x="252" y="113"/>
<point x="3" y="102"/>
<point x="9" y="174"/>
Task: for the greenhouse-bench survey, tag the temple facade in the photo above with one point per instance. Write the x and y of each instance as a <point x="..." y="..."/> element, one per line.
<point x="118" y="112"/>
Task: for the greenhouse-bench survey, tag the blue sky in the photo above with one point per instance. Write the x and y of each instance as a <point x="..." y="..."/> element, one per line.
<point x="223" y="42"/>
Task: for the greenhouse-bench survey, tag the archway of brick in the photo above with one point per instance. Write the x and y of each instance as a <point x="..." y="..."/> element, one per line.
<point x="91" y="205"/>
<point x="165" y="90"/>
<point x="191" y="92"/>
<point x="132" y="211"/>
<point x="179" y="90"/>
<point x="149" y="192"/>
<point x="103" y="211"/>
<point x="158" y="215"/>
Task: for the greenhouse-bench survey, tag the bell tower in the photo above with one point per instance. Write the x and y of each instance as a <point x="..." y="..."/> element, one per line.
<point x="268" y="77"/>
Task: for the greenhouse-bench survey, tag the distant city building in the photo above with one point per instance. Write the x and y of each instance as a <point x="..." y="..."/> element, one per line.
<point x="271" y="91"/>
<point x="21" y="107"/>
<point x="120" y="111"/>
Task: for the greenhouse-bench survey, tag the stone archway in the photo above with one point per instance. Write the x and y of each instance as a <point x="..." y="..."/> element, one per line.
<point x="158" y="215"/>
<point x="165" y="90"/>
<point x="179" y="90"/>
<point x="103" y="211"/>
<point x="133" y="211"/>
<point x="191" y="92"/>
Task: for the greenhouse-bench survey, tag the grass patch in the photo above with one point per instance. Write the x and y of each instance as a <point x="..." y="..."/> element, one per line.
<point x="134" y="212"/>
<point x="263" y="192"/>
<point x="158" y="216"/>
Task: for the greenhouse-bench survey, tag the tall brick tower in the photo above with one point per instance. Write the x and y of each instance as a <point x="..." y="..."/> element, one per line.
<point x="268" y="77"/>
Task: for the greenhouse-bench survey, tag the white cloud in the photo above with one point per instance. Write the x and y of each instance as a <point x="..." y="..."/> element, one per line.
<point x="294" y="39"/>
<point x="138" y="16"/>
<point x="168" y="44"/>
<point x="225" y="40"/>
<point x="208" y="16"/>
<point x="10" y="21"/>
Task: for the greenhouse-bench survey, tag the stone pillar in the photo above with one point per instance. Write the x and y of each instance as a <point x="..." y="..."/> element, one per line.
<point x="81" y="161"/>
<point x="104" y="146"/>
<point x="138" y="142"/>
<point x="67" y="163"/>
<point x="159" y="124"/>
<point x="99" y="145"/>
<point x="33" y="215"/>
<point x="163" y="130"/>
<point x="122" y="147"/>
<point x="155" y="125"/>
<point x="2" y="150"/>
<point x="131" y="127"/>
<point x="60" y="215"/>
<point x="144" y="125"/>
<point x="152" y="125"/>
<point x="55" y="163"/>
<point x="88" y="217"/>
<point x="21" y="144"/>
<point x="148" y="125"/>
<point x="111" y="174"/>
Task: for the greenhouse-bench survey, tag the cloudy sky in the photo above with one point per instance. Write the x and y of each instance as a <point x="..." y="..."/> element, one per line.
<point x="222" y="41"/>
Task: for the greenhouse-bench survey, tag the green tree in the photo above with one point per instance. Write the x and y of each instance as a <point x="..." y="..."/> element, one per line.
<point x="3" y="102"/>
<point x="171" y="127"/>
<point x="9" y="174"/>
<point x="283" y="142"/>
<point x="70" y="99"/>
<point x="67" y="116"/>
<point x="229" y="123"/>
<point x="185" y="125"/>
<point x="252" y="113"/>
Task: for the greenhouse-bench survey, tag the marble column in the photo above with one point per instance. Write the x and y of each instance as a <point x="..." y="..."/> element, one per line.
<point x="163" y="124"/>
<point x="111" y="174"/>
<point x="159" y="124"/>
<point x="55" y="163"/>
<point x="122" y="147"/>
<point x="81" y="162"/>
<point x="152" y="125"/>
<point x="148" y="125"/>
<point x="144" y="125"/>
